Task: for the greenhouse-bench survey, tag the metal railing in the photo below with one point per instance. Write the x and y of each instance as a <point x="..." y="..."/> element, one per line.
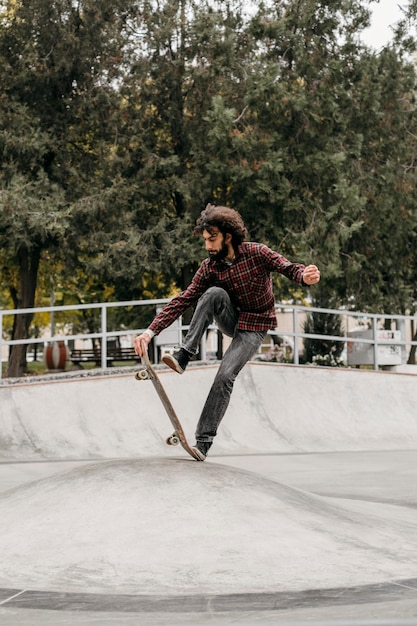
<point x="373" y="322"/>
<point x="369" y="321"/>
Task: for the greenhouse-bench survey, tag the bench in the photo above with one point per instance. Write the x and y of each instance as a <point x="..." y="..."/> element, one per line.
<point x="79" y="356"/>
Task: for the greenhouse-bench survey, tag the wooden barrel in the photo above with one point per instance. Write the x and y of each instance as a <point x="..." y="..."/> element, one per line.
<point x="55" y="356"/>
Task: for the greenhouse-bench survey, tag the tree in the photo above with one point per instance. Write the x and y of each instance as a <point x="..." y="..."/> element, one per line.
<point x="122" y="120"/>
<point x="186" y="54"/>
<point x="326" y="146"/>
<point x="323" y="351"/>
<point x="58" y="61"/>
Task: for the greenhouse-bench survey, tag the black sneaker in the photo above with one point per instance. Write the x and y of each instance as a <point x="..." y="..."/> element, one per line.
<point x="203" y="447"/>
<point x="177" y="361"/>
<point x="199" y="456"/>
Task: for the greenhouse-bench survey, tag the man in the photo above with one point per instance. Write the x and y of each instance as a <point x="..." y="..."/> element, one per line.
<point x="233" y="286"/>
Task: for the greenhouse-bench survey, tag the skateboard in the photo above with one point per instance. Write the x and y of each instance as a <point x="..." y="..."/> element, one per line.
<point x="147" y="372"/>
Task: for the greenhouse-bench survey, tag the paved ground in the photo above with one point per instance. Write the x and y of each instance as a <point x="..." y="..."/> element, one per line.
<point x="298" y="534"/>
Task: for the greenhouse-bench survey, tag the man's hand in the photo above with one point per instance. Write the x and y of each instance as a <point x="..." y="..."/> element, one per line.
<point x="138" y="342"/>
<point x="311" y="275"/>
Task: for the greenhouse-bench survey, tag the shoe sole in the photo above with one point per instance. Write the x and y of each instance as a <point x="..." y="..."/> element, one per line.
<point x="201" y="456"/>
<point x="172" y="363"/>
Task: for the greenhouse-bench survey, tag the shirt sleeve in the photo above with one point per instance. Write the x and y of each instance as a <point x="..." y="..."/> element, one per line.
<point x="180" y="303"/>
<point x="278" y="263"/>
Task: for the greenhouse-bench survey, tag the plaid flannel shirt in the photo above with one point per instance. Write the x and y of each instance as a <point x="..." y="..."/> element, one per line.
<point x="248" y="282"/>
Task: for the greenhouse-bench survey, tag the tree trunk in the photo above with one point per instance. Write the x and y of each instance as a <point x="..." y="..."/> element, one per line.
<point x="412" y="355"/>
<point x="24" y="299"/>
<point x="187" y="274"/>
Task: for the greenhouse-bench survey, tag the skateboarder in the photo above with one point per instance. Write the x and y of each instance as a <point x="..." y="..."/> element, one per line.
<point x="233" y="286"/>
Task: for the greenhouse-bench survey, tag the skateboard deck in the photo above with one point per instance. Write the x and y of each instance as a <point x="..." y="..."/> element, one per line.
<point x="147" y="372"/>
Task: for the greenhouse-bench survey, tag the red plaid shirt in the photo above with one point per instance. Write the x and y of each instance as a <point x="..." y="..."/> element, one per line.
<point x="247" y="281"/>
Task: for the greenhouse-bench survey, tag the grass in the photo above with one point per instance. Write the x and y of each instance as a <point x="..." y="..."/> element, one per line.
<point x="38" y="368"/>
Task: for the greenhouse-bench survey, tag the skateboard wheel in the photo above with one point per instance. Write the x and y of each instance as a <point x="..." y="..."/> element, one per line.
<point x="173" y="440"/>
<point x="142" y="375"/>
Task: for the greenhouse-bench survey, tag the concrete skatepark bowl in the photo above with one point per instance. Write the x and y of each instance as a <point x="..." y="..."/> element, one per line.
<point x="305" y="512"/>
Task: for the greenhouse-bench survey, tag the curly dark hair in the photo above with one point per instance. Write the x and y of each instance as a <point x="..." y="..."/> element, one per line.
<point x="225" y="219"/>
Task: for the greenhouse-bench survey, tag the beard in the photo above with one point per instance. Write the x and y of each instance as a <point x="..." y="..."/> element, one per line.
<point x="221" y="254"/>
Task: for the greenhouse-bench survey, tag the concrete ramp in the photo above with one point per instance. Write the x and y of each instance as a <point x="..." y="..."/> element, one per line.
<point x="165" y="526"/>
<point x="274" y="408"/>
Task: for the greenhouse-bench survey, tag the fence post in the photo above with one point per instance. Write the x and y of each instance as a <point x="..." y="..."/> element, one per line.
<point x="103" y="336"/>
<point x="375" y="344"/>
<point x="296" y="337"/>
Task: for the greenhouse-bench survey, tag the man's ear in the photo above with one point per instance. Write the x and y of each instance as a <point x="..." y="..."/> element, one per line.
<point x="228" y="238"/>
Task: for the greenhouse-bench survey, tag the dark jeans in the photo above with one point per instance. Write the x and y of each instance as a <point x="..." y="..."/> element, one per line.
<point x="215" y="304"/>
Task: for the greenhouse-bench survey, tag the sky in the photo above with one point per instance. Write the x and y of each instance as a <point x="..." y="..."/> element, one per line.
<point x="385" y="13"/>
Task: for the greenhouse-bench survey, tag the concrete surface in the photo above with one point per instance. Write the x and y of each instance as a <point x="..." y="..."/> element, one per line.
<point x="304" y="513"/>
<point x="274" y="409"/>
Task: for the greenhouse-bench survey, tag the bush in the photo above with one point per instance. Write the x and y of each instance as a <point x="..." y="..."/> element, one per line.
<point x="323" y="351"/>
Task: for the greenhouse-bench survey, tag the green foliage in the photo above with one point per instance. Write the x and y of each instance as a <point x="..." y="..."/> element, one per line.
<point x="120" y="120"/>
<point x="323" y="351"/>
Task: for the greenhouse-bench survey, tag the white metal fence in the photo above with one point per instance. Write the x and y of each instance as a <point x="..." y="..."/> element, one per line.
<point x="369" y="335"/>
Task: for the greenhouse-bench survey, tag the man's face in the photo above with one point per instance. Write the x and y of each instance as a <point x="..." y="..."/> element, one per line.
<point x="215" y="244"/>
